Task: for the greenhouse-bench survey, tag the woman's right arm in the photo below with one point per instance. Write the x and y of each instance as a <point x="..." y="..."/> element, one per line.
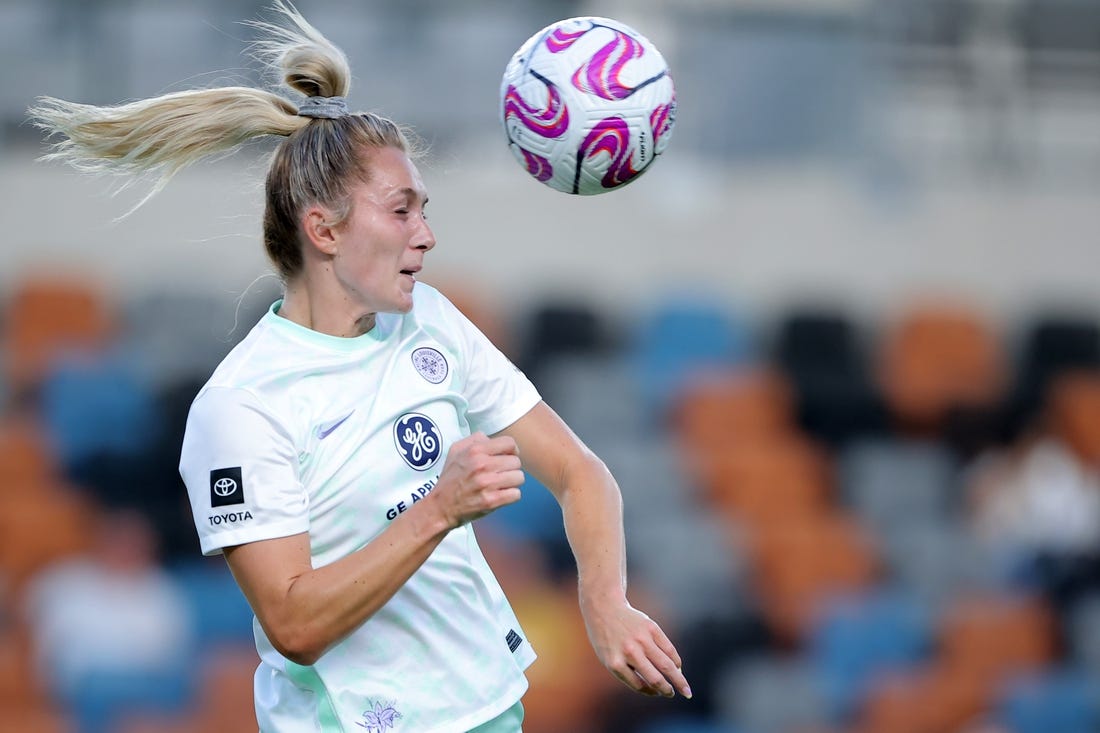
<point x="305" y="610"/>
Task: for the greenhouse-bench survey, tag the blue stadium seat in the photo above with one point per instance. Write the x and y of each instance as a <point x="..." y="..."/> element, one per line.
<point x="104" y="699"/>
<point x="857" y="637"/>
<point x="1053" y="701"/>
<point x="219" y="609"/>
<point x="535" y="517"/>
<point x="683" y="336"/>
<point x="97" y="406"/>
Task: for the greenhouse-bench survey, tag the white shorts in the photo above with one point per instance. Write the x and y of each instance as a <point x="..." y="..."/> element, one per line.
<point x="510" y="721"/>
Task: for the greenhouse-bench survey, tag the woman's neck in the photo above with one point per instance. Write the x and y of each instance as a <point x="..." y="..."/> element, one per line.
<point x="319" y="311"/>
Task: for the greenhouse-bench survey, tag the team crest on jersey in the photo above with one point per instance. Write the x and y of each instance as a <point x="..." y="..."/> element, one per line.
<point x="418" y="440"/>
<point x="431" y="364"/>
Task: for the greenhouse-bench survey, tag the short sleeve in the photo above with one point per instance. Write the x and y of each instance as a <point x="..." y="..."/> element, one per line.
<point x="241" y="471"/>
<point x="496" y="391"/>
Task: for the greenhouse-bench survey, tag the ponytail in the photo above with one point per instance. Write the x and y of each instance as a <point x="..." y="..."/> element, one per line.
<point x="324" y="150"/>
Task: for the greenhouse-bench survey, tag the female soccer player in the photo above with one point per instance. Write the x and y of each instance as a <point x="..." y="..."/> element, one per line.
<point x="339" y="453"/>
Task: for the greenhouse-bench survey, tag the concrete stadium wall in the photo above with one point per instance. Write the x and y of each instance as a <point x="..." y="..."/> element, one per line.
<point x="757" y="238"/>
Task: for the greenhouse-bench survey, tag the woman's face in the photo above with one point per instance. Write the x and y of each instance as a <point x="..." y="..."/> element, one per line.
<point x="381" y="245"/>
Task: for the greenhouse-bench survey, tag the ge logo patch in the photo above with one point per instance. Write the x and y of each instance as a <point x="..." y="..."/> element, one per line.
<point x="430" y="364"/>
<point x="418" y="440"/>
<point x="226" y="486"/>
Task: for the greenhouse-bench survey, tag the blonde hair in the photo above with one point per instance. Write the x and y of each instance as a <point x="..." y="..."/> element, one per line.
<point x="316" y="163"/>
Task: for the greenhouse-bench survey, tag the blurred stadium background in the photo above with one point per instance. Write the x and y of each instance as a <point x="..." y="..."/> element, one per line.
<point x="841" y="346"/>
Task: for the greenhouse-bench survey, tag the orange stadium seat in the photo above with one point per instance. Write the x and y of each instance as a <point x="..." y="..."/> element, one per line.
<point x="568" y="684"/>
<point x="19" y="686"/>
<point x="47" y="316"/>
<point x="25" y="459"/>
<point x="768" y="480"/>
<point x="1052" y="343"/>
<point x="938" y="358"/>
<point x="991" y="636"/>
<point x="27" y="718"/>
<point x="225" y="690"/>
<point x="39" y="526"/>
<point x="24" y="704"/>
<point x="983" y="640"/>
<point x="717" y="409"/>
<point x="1073" y="410"/>
<point x="798" y="564"/>
<point x="933" y="699"/>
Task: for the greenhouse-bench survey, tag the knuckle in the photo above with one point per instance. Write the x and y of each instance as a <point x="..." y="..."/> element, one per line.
<point x="501" y="500"/>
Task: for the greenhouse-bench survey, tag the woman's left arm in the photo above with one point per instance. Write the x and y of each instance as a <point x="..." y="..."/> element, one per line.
<point x="629" y="643"/>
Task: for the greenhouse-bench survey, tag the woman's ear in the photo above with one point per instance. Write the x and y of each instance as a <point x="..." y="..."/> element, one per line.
<point x="318" y="231"/>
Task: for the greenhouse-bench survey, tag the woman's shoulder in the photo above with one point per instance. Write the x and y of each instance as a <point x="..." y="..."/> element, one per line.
<point x="431" y="305"/>
<point x="425" y="295"/>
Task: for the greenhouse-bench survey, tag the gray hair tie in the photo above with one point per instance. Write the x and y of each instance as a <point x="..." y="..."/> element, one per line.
<point x="328" y="108"/>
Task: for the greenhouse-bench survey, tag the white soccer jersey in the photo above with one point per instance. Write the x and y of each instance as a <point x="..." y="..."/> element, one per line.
<point x="298" y="431"/>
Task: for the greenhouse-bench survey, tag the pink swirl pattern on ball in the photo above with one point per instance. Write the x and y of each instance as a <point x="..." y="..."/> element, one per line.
<point x="537" y="166"/>
<point x="600" y="74"/>
<point x="550" y="122"/>
<point x="559" y="40"/>
<point x="611" y="136"/>
<point x="660" y="119"/>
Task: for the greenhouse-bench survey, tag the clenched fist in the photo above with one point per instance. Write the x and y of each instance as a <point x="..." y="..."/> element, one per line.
<point x="481" y="474"/>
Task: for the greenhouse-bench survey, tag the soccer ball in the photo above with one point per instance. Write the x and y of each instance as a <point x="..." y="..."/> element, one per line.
<point x="587" y="104"/>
